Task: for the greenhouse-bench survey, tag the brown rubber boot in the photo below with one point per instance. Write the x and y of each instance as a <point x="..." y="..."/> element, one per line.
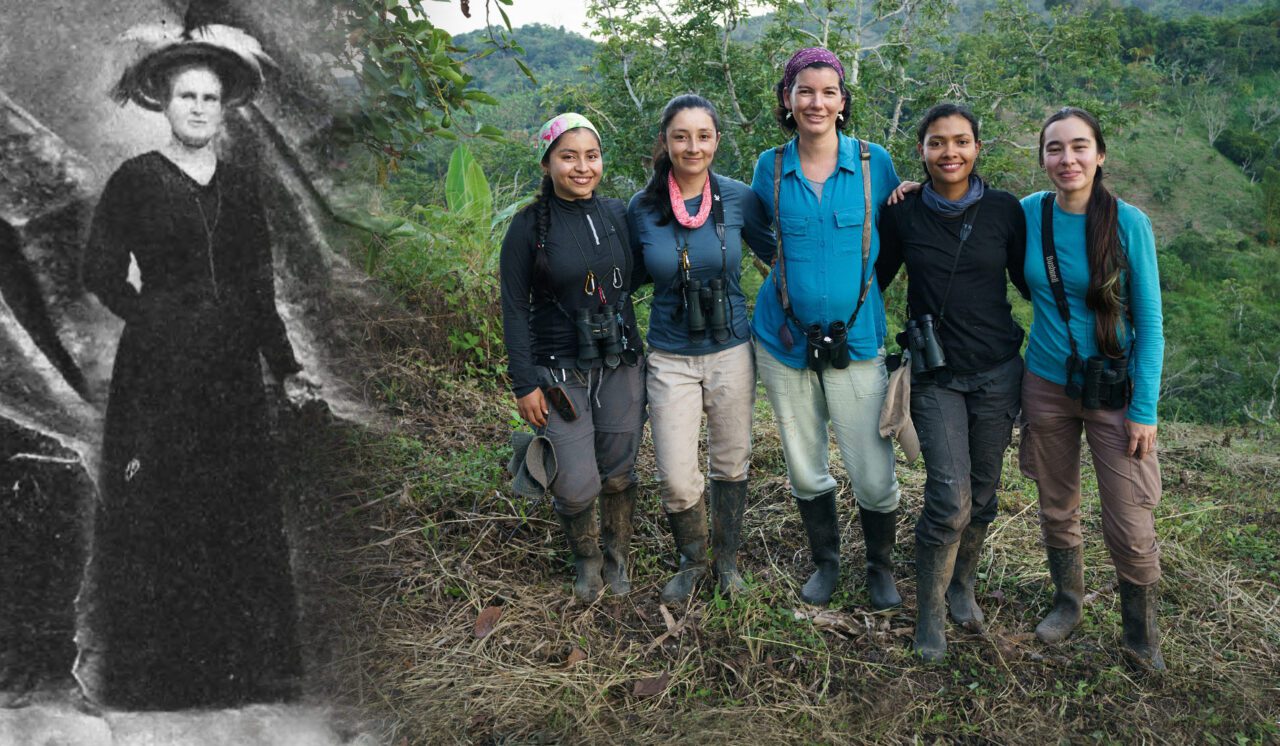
<point x="879" y="533"/>
<point x="1066" y="567"/>
<point x="964" y="605"/>
<point x="1141" y="637"/>
<point x="583" y="535"/>
<point x="728" y="503"/>
<point x="616" y="512"/>
<point x="689" y="527"/>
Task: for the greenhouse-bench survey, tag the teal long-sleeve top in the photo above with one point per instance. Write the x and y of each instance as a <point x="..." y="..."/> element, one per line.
<point x="822" y="248"/>
<point x="659" y="246"/>
<point x="1048" y="346"/>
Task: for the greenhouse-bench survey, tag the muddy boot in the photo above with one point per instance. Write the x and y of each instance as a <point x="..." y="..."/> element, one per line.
<point x="728" y="502"/>
<point x="1141" y="638"/>
<point x="934" y="565"/>
<point x="689" y="527"/>
<point x="878" y="531"/>
<point x="583" y="534"/>
<point x="823" y="528"/>
<point x="616" y="511"/>
<point x="1066" y="567"/>
<point x="964" y="606"/>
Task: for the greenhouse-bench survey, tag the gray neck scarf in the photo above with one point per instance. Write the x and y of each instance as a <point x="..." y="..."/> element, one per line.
<point x="949" y="208"/>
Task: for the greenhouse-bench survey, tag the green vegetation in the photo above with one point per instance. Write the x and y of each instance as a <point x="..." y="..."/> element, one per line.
<point x="1185" y="101"/>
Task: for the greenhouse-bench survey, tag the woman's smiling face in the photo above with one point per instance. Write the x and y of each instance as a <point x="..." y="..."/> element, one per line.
<point x="575" y="164"/>
<point x="949" y="151"/>
<point x="691" y="141"/>
<point x="1071" y="156"/>
<point x="815" y="100"/>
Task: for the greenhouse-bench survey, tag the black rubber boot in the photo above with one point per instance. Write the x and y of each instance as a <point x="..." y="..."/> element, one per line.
<point x="823" y="528"/>
<point x="965" y="610"/>
<point x="879" y="532"/>
<point x="689" y="527"/>
<point x="1141" y="637"/>
<point x="728" y="503"/>
<point x="934" y="565"/>
<point x="1066" y="567"/>
<point x="616" y="512"/>
<point x="583" y="534"/>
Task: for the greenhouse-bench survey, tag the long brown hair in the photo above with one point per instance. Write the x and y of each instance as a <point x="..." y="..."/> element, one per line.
<point x="1106" y="295"/>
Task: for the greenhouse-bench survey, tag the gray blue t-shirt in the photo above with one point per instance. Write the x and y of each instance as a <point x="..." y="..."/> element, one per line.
<point x="659" y="245"/>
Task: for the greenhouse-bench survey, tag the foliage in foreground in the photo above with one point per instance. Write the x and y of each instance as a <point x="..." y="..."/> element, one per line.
<point x="459" y="556"/>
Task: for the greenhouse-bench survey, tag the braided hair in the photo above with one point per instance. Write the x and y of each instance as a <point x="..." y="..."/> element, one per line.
<point x="1105" y="296"/>
<point x="541" y="207"/>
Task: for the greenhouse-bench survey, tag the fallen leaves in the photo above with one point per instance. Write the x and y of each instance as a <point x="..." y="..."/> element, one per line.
<point x="652" y="686"/>
<point x="576" y="656"/>
<point x="487" y="620"/>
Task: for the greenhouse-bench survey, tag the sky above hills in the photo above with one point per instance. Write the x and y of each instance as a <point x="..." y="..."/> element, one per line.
<point x="571" y="14"/>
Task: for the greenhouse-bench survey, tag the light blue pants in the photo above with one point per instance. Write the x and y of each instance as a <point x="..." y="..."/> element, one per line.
<point x="850" y="400"/>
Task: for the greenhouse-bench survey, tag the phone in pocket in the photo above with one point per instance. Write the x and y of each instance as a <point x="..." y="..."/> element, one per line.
<point x="559" y="398"/>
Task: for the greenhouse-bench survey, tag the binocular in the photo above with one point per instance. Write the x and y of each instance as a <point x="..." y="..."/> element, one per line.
<point x="1106" y="383"/>
<point x="926" y="351"/>
<point x="829" y="348"/>
<point x="601" y="338"/>
<point x="707" y="309"/>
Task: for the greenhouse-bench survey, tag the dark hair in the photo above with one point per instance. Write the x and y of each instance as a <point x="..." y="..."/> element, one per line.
<point x="1106" y="296"/>
<point x="655" y="194"/>
<point x="942" y="111"/>
<point x="783" y="114"/>
<point x="541" y="207"/>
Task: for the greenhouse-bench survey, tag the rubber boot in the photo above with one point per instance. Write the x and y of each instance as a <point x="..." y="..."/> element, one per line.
<point x="879" y="532"/>
<point x="689" y="527"/>
<point x="823" y="528"/>
<point x="728" y="503"/>
<point x="1141" y="637"/>
<point x="1066" y="567"/>
<point x="616" y="512"/>
<point x="964" y="605"/>
<point x="583" y="534"/>
<point x="934" y="566"/>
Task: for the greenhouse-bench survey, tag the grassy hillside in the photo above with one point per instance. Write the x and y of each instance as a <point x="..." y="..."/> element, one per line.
<point x="455" y="545"/>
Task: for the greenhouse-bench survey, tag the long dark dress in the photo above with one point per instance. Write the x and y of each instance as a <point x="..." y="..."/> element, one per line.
<point x="192" y="595"/>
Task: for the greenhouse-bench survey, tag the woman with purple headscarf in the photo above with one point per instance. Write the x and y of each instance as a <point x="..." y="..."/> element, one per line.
<point x="819" y="321"/>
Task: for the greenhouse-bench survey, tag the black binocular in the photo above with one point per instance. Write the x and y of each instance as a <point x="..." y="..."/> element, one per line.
<point x="829" y="348"/>
<point x="601" y="338"/>
<point x="1106" y="382"/>
<point x="926" y="351"/>
<point x="707" y="309"/>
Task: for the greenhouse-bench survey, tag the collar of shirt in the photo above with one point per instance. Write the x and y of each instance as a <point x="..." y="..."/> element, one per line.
<point x="847" y="160"/>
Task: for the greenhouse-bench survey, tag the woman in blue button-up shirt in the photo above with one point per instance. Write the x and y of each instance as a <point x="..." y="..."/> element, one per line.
<point x="821" y="274"/>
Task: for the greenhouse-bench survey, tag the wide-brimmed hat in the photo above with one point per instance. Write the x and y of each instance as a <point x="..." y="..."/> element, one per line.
<point x="533" y="464"/>
<point x="234" y="56"/>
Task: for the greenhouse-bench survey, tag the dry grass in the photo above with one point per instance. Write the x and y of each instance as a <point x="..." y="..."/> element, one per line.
<point x="444" y="540"/>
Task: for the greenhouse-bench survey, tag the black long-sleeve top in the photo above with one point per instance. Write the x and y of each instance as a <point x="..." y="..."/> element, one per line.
<point x="204" y="253"/>
<point x="977" y="331"/>
<point x="537" y="323"/>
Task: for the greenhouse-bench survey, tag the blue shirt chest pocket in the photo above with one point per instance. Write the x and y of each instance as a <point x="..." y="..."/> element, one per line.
<point x="848" y="239"/>
<point x="798" y="242"/>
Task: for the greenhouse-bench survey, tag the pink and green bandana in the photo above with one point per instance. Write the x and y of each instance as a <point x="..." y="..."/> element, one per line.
<point x="557" y="126"/>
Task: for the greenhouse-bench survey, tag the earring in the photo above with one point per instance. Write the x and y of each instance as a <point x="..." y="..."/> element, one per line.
<point x="788" y="115"/>
<point x="840" y="118"/>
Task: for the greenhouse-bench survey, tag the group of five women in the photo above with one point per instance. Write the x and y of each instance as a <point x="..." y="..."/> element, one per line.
<point x="818" y="209"/>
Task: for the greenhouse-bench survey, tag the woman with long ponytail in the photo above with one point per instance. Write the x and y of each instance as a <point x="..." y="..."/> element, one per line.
<point x="689" y="224"/>
<point x="1093" y="362"/>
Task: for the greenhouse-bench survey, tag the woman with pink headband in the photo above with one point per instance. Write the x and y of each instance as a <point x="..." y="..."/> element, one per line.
<point x="573" y="349"/>
<point x="819" y="320"/>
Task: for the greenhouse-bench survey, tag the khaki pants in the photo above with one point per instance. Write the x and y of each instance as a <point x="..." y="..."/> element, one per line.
<point x="681" y="388"/>
<point x="1128" y="488"/>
